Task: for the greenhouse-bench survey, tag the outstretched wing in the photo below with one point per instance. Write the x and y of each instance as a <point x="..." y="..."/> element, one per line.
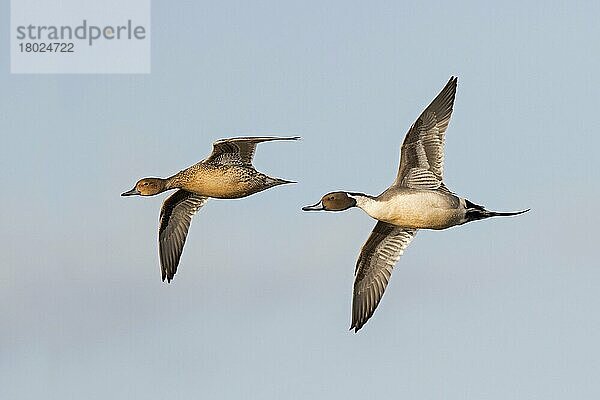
<point x="422" y="153"/>
<point x="374" y="267"/>
<point x="175" y="217"/>
<point x="239" y="151"/>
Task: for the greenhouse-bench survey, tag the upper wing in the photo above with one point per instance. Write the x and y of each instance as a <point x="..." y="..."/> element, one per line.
<point x="239" y="151"/>
<point x="374" y="267"/>
<point x="175" y="217"/>
<point x="422" y="153"/>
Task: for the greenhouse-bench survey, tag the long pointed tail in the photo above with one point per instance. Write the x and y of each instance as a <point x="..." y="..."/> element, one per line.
<point x="476" y="212"/>
<point x="277" y="181"/>
<point x="506" y="214"/>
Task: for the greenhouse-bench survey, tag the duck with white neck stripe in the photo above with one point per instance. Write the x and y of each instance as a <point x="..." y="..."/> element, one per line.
<point x="418" y="199"/>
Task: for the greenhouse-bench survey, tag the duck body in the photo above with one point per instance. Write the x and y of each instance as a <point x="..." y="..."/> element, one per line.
<point x="223" y="181"/>
<point x="415" y="208"/>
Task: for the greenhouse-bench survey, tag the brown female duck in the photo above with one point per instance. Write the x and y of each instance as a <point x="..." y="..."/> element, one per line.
<point x="227" y="173"/>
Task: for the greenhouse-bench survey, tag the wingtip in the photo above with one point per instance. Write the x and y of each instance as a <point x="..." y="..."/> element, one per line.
<point x="453" y="81"/>
<point x="288" y="137"/>
<point x="284" y="137"/>
<point x="355" y="326"/>
<point x="166" y="277"/>
<point x="258" y="139"/>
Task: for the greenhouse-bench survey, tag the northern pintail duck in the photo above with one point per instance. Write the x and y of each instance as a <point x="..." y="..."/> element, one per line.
<point x="227" y="173"/>
<point x="418" y="199"/>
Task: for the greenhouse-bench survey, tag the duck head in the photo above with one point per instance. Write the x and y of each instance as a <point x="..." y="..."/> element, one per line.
<point x="147" y="187"/>
<point x="334" y="201"/>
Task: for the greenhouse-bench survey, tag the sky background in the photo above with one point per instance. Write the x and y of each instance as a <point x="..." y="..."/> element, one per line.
<point x="260" y="307"/>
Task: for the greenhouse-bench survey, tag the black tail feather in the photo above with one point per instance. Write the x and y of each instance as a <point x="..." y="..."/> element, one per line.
<point x="507" y="214"/>
<point x="476" y="212"/>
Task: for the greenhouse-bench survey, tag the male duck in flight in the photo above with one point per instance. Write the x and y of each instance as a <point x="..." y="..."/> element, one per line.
<point x="227" y="173"/>
<point x="418" y="199"/>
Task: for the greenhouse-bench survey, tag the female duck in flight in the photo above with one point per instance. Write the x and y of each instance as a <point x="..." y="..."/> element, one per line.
<point x="227" y="173"/>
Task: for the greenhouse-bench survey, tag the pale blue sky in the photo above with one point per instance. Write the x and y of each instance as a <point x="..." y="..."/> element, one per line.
<point x="260" y="307"/>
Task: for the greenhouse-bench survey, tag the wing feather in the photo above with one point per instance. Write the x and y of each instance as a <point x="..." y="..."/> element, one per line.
<point x="422" y="153"/>
<point x="374" y="267"/>
<point x="174" y="223"/>
<point x="239" y="151"/>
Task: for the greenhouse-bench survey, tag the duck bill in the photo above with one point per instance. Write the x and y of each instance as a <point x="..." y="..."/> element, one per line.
<point x="316" y="207"/>
<point x="132" y="192"/>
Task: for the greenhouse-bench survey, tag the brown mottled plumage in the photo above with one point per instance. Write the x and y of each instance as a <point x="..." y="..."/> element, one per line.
<point x="227" y="173"/>
<point x="223" y="181"/>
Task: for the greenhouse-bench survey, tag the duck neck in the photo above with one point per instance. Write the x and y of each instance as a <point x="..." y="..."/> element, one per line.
<point x="172" y="182"/>
<point x="364" y="201"/>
